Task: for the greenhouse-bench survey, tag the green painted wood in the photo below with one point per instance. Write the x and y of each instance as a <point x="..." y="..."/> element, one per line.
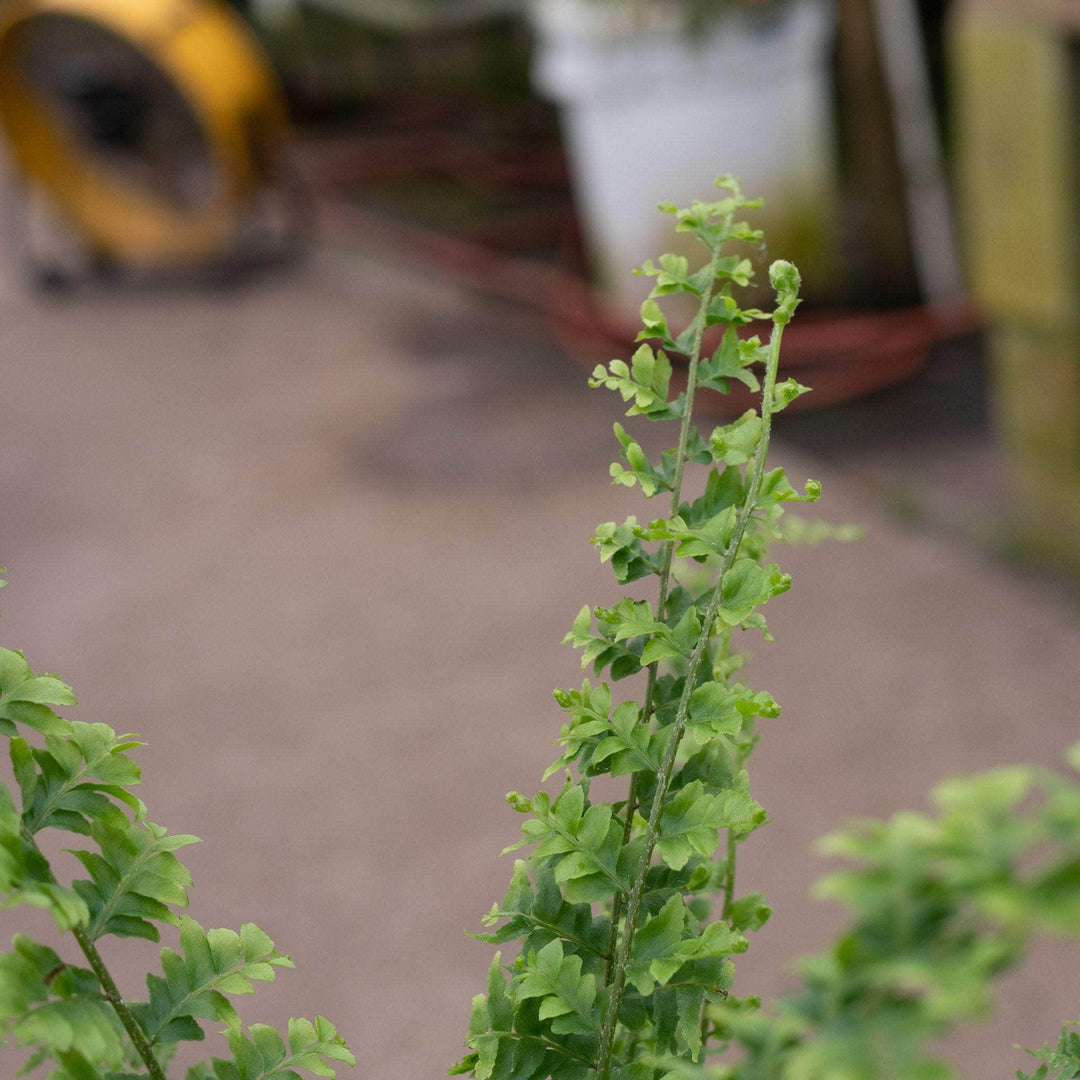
<point x="1036" y="381"/>
<point x="1015" y="122"/>
<point x="1015" y="141"/>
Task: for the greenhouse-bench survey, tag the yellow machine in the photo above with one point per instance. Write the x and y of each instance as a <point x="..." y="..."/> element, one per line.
<point x="150" y="125"/>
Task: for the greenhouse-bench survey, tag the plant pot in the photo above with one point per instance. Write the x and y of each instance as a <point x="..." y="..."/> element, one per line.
<point x="650" y="113"/>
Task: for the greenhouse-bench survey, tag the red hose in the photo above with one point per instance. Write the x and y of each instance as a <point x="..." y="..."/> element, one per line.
<point x="842" y="355"/>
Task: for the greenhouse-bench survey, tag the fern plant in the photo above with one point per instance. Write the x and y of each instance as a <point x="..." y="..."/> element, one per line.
<point x="77" y="777"/>
<point x="627" y="911"/>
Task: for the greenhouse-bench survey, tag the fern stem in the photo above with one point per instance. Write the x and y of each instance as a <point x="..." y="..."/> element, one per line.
<point x="665" y="569"/>
<point x="663" y="777"/>
<point x="100" y="921"/>
<point x="557" y="931"/>
<point x="558" y="1048"/>
<point x="107" y="983"/>
<point x="729" y="862"/>
<point x="131" y="1025"/>
<point x="617" y="903"/>
<point x="691" y="389"/>
<point x="729" y="876"/>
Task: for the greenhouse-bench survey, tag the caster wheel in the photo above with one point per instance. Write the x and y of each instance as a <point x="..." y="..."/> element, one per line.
<point x="52" y="279"/>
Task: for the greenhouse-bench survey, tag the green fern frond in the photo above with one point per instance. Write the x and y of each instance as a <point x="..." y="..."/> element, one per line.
<point x="57" y="1008"/>
<point x="135" y="878"/>
<point x="209" y="966"/>
<point x="72" y="781"/>
<point x="25" y="876"/>
<point x="25" y="697"/>
<point x="262" y="1054"/>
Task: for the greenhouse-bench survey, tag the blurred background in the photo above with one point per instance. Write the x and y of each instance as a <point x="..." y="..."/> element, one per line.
<point x="298" y="465"/>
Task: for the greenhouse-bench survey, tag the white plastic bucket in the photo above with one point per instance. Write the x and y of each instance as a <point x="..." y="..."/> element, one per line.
<point x="651" y="114"/>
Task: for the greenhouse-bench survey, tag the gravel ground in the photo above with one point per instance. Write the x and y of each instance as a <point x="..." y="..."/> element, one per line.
<point x="317" y="539"/>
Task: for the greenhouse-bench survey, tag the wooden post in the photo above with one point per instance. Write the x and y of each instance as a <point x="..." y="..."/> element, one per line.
<point x="1016" y="71"/>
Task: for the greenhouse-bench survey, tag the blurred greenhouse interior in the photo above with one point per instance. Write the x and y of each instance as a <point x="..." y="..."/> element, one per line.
<point x="913" y="155"/>
<point x="298" y="463"/>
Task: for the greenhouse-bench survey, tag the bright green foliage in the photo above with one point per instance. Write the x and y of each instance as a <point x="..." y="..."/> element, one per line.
<point x="512" y="1042"/>
<point x="25" y="877"/>
<point x="77" y="777"/>
<point x="540" y="916"/>
<point x="135" y="877"/>
<point x="67" y="784"/>
<point x="25" y="697"/>
<point x="262" y="1054"/>
<point x="940" y="906"/>
<point x="196" y="980"/>
<point x="618" y="954"/>
<point x="566" y="996"/>
<point x="691" y="821"/>
<point x="626" y="912"/>
<point x="46" y="1003"/>
<point x="583" y="845"/>
<point x="646" y="381"/>
<point x="1061" y="1062"/>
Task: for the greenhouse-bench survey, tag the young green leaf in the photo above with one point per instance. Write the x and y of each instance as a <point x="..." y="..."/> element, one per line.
<point x="196" y="980"/>
<point x="56" y="1008"/>
<point x="746" y="586"/>
<point x="729" y="361"/>
<point x="568" y="999"/>
<point x="630" y="747"/>
<point x="25" y="875"/>
<point x="736" y="443"/>
<point x="135" y="878"/>
<point x="622" y="544"/>
<point x="75" y="779"/>
<point x="542" y="916"/>
<point x="665" y="944"/>
<point x="645" y="382"/>
<point x="1060" y="1062"/>
<point x="25" y="697"/>
<point x="584" y="842"/>
<point x="261" y="1053"/>
<point x="690" y="822"/>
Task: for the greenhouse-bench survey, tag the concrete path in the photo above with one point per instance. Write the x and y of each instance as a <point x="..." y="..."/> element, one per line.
<point x="317" y="539"/>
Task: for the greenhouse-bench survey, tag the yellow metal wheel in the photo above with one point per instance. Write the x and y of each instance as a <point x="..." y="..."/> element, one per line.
<point x="150" y="124"/>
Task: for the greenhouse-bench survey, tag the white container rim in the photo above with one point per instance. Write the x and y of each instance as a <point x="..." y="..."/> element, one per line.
<point x="593" y="48"/>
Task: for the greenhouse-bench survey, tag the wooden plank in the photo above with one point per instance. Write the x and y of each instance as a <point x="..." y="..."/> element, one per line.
<point x="1016" y="182"/>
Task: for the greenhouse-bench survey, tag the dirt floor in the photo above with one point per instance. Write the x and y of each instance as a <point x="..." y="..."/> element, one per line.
<point x="317" y="539"/>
